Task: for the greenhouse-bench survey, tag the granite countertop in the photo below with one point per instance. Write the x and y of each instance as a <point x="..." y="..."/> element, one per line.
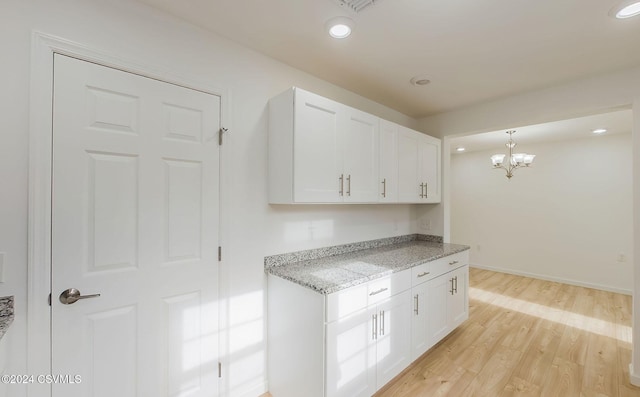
<point x="6" y="314"/>
<point x="333" y="273"/>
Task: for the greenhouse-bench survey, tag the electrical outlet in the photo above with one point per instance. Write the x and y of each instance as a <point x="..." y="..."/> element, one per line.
<point x="425" y="224"/>
<point x="622" y="257"/>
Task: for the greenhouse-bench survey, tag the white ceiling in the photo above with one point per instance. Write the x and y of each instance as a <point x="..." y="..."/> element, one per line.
<point x="615" y="122"/>
<point x="471" y="50"/>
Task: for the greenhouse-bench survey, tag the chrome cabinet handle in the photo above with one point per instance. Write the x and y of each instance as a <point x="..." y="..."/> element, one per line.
<point x="452" y="263"/>
<point x="384" y="187"/>
<point x="378" y="291"/>
<point x="451" y="290"/>
<point x="382" y="322"/>
<point x="426" y="190"/>
<point x="349" y="185"/>
<point x="421" y="190"/>
<point x="72" y="295"/>
<point x="341" y="179"/>
<point x="374" y="326"/>
<point x="415" y="298"/>
<point x="456" y="287"/>
<point x="422" y="274"/>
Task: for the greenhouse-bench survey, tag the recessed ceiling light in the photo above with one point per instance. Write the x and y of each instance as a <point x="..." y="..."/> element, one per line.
<point x="420" y="80"/>
<point x="339" y="27"/>
<point x="626" y="9"/>
<point x="599" y="131"/>
<point x="460" y="149"/>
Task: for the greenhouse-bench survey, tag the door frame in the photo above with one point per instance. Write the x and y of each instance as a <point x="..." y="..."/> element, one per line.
<point x="43" y="48"/>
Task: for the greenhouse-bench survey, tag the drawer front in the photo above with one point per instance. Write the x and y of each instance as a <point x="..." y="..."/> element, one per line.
<point x="448" y="263"/>
<point x="421" y="273"/>
<point x="385" y="287"/>
<point x="347" y="301"/>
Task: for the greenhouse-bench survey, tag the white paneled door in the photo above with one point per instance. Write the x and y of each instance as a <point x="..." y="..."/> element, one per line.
<point x="135" y="217"/>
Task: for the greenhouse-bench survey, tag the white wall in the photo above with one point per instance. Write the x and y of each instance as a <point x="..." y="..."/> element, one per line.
<point x="135" y="32"/>
<point x="568" y="218"/>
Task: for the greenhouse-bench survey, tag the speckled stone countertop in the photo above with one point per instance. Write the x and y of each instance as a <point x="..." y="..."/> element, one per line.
<point x="6" y="314"/>
<point x="329" y="274"/>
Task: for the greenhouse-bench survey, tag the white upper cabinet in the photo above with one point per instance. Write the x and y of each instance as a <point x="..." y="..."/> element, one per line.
<point x="305" y="157"/>
<point x="429" y="164"/>
<point x="388" y="162"/>
<point x="418" y="167"/>
<point x="317" y="155"/>
<point x="408" y="166"/>
<point x="321" y="151"/>
<point x="360" y="143"/>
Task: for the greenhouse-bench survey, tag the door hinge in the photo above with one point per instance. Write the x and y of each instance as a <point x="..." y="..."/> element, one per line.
<point x="219" y="254"/>
<point x="219" y="369"/>
<point x="220" y="133"/>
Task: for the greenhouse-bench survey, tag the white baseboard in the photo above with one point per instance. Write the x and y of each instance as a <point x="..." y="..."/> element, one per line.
<point x="633" y="377"/>
<point x="556" y="279"/>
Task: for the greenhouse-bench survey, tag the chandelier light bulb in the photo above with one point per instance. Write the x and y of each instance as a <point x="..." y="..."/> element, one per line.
<point x="516" y="160"/>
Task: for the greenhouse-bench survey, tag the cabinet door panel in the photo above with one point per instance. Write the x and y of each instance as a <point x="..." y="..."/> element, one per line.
<point x="388" y="178"/>
<point x="351" y="356"/>
<point x="458" y="303"/>
<point x="421" y="340"/>
<point x="408" y="177"/>
<point x="360" y="142"/>
<point x="317" y="154"/>
<point x="429" y="158"/>
<point x="394" y="337"/>
<point x="438" y="291"/>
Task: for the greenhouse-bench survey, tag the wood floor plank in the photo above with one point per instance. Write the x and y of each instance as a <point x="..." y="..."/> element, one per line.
<point x="564" y="379"/>
<point x="534" y="366"/>
<point x="528" y="337"/>
<point x="600" y="366"/>
<point x="521" y="388"/>
<point x="495" y="374"/>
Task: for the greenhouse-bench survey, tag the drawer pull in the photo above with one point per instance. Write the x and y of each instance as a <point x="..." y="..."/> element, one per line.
<point x="381" y="290"/>
<point x="453" y="263"/>
<point x="423" y="274"/>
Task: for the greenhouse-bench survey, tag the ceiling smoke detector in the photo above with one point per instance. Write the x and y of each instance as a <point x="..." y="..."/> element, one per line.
<point x="419" y="80"/>
<point x="356" y="5"/>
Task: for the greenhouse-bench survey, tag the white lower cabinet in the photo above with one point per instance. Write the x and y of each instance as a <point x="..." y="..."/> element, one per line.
<point x="369" y="348"/>
<point x="351" y="355"/>
<point x="352" y="342"/>
<point x="420" y="336"/>
<point x="440" y="305"/>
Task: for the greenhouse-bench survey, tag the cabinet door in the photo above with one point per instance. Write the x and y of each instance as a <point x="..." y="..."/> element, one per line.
<point x="388" y="162"/>
<point x="408" y="166"/>
<point x="351" y="355"/>
<point x="318" y="124"/>
<point x="458" y="305"/>
<point x="393" y="349"/>
<point x="429" y="159"/>
<point x="421" y="340"/>
<point x="438" y="291"/>
<point x="360" y="142"/>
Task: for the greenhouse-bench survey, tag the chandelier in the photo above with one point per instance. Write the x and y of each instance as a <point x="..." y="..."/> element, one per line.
<point x="516" y="160"/>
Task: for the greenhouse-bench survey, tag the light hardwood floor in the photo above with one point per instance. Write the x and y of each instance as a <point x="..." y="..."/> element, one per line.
<point x="528" y="337"/>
